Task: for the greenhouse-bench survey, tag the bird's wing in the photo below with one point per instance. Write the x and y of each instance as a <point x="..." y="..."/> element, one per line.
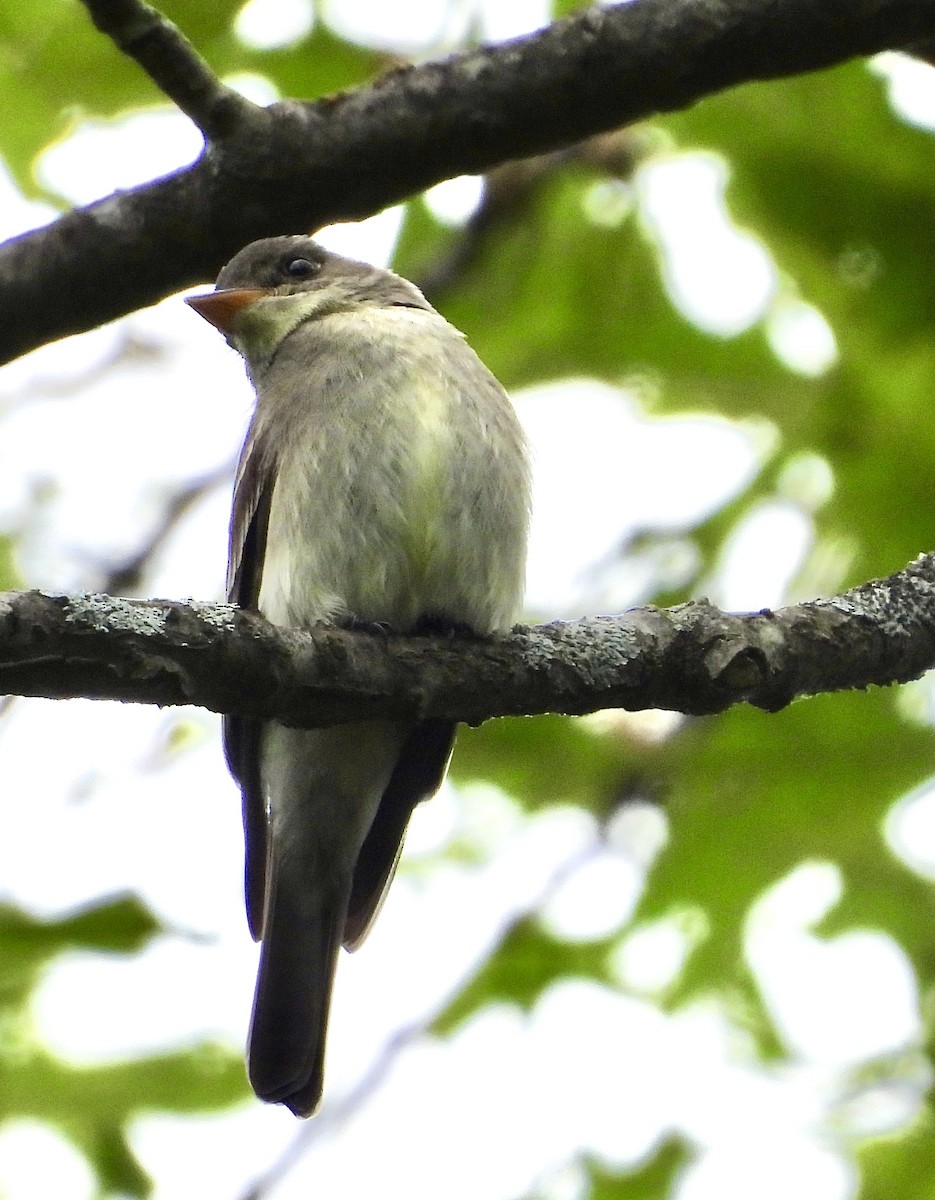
<point x="418" y="774"/>
<point x="253" y="491"/>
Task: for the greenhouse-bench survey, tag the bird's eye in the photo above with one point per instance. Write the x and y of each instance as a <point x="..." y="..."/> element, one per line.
<point x="301" y="268"/>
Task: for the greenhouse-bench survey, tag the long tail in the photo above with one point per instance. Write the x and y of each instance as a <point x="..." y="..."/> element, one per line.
<point x="324" y="788"/>
<point x="286" y="1049"/>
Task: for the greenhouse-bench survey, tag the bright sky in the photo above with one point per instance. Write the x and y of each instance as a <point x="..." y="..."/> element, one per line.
<point x="120" y="805"/>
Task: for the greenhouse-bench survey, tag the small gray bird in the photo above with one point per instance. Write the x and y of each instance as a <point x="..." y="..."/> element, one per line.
<point x="384" y="479"/>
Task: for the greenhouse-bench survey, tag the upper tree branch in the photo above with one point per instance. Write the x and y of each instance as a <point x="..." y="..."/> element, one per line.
<point x="173" y="64"/>
<point x="298" y="166"/>
<point x="692" y="659"/>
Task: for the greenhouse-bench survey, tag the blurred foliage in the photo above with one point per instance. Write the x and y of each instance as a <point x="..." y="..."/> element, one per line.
<point x="9" y="576"/>
<point x="902" y="1166"/>
<point x="527" y="961"/>
<point x="645" y="1182"/>
<point x="842" y="194"/>
<point x="529" y="759"/>
<point x="27" y="944"/>
<point x="91" y="1105"/>
<point x="653" y="1178"/>
<point x="748" y="796"/>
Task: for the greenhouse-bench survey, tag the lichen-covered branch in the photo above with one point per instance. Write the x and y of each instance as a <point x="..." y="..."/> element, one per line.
<point x="297" y="166"/>
<point x="692" y="659"/>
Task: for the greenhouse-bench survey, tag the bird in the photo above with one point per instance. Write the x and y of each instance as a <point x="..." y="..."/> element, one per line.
<point x="384" y="482"/>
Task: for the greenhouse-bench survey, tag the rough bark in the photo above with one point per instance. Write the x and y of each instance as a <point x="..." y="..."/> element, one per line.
<point x="692" y="659"/>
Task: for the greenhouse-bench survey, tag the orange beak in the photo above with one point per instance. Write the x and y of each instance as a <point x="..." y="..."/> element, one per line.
<point x="221" y="308"/>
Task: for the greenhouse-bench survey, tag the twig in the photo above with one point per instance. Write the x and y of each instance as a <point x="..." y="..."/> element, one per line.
<point x="510" y="191"/>
<point x="126" y="577"/>
<point x="335" y="1116"/>
<point x="173" y="64"/>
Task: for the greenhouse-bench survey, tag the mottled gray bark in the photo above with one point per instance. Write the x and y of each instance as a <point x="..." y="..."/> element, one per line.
<point x="692" y="659"/>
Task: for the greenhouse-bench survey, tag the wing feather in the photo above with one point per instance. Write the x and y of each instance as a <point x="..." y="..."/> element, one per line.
<point x="418" y="775"/>
<point x="253" y="492"/>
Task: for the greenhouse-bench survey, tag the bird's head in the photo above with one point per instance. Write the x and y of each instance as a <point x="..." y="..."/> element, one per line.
<point x="273" y="286"/>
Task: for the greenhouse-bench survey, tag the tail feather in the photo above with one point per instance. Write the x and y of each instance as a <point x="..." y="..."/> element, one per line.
<point x="286" y="1049"/>
<point x="324" y="788"/>
<point x="417" y="775"/>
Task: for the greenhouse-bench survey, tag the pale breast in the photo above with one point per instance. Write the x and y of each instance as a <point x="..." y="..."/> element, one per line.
<point x="403" y="490"/>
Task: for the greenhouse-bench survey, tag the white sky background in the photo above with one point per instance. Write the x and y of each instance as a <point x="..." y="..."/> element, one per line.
<point x="511" y="1099"/>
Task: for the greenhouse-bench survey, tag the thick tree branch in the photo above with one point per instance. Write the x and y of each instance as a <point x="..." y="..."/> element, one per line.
<point x="298" y="165"/>
<point x="692" y="659"/>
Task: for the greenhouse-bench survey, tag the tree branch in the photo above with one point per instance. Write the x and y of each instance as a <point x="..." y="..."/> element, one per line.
<point x="692" y="659"/>
<point x="173" y="64"/>
<point x="300" y="165"/>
